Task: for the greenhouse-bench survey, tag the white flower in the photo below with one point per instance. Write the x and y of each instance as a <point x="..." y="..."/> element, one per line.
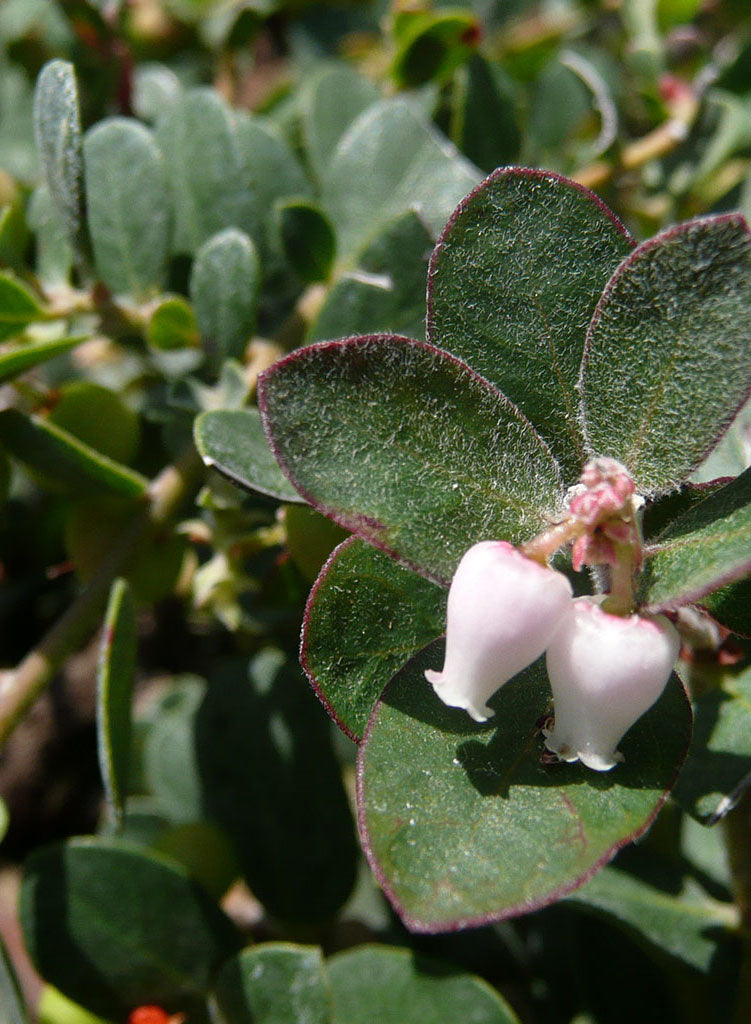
<point x="605" y="672"/>
<point x="503" y="610"/>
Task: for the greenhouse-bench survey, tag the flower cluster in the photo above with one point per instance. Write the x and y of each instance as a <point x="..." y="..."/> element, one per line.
<point x="506" y="607"/>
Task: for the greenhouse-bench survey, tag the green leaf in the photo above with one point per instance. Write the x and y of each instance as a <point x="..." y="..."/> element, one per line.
<point x="98" y="417"/>
<point x="310" y="538"/>
<point x="155" y="86"/>
<point x="204" y="850"/>
<point x="268" y="168"/>
<point x="432" y="45"/>
<point x="719" y="758"/>
<point x="398" y="986"/>
<point x="197" y="138"/>
<point x="127" y="205"/>
<point x="391" y="613"/>
<point x="18" y="307"/>
<point x="224" y="285"/>
<point x="115" y="677"/>
<point x="405" y="447"/>
<point x="54" y="256"/>
<point x="18" y="152"/>
<point x="55" y="1008"/>
<point x="57" y="126"/>
<point x="232" y="442"/>
<point x="483" y="118"/>
<point x="733" y="454"/>
<point x="14" y="235"/>
<point x="173" y="325"/>
<point x="334" y="98"/>
<point x="271" y="780"/>
<point x="670" y="327"/>
<point x="11" y="1000"/>
<point x="275" y="983"/>
<point x="731" y="606"/>
<point x="702" y="550"/>
<point x="688" y="926"/>
<point x="226" y="169"/>
<point x="308" y="239"/>
<point x="386" y="289"/>
<point x="59" y="458"/>
<point x="113" y="928"/>
<point x="513" y="284"/>
<point x="169" y="752"/>
<point x="20" y="358"/>
<point x="391" y="160"/>
<point x="462" y="823"/>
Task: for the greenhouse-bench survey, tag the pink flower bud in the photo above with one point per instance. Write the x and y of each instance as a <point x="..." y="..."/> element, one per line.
<point x="605" y="672"/>
<point x="503" y="609"/>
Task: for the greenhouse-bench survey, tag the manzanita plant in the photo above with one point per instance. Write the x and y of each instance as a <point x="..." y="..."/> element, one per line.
<point x="568" y="386"/>
<point x="520" y="496"/>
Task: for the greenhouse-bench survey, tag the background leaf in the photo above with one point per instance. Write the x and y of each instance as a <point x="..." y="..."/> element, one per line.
<point x="270" y="778"/>
<point x="669" y="327"/>
<point x="127" y="206"/>
<point x="197" y="138"/>
<point x="307" y="238"/>
<point x="59" y="457"/>
<point x="18" y="307"/>
<point x="173" y="325"/>
<point x="232" y="442"/>
<point x="719" y="758"/>
<point x="471" y="827"/>
<point x="484" y="121"/>
<point x="366" y="615"/>
<point x="424" y="460"/>
<point x="57" y="126"/>
<point x="114" y="928"/>
<point x="21" y="358"/>
<point x="733" y="454"/>
<point x="707" y="547"/>
<point x="386" y="289"/>
<point x="388" y="161"/>
<point x="54" y="256"/>
<point x="224" y="291"/>
<point x="115" y="679"/>
<point x="688" y="925"/>
<point x="397" y="986"/>
<point x="334" y="99"/>
<point x="513" y="283"/>
<point x="275" y="983"/>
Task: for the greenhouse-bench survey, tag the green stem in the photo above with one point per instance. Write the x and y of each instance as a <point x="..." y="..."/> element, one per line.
<point x="20" y="688"/>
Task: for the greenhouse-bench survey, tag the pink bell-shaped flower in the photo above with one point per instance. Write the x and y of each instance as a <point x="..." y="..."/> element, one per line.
<point x="605" y="672"/>
<point x="503" y="609"/>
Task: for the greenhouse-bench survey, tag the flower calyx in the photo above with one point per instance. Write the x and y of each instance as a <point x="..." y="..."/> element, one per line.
<point x="602" y="523"/>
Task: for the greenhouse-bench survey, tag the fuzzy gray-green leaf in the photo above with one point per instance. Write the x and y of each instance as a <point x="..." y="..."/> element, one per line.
<point x="701" y="551"/>
<point x="365" y="617"/>
<point x="128" y="207"/>
<point x="470" y="827"/>
<point x="57" y="127"/>
<point x="403" y="445"/>
<point x="668" y="363"/>
<point x="514" y="281"/>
